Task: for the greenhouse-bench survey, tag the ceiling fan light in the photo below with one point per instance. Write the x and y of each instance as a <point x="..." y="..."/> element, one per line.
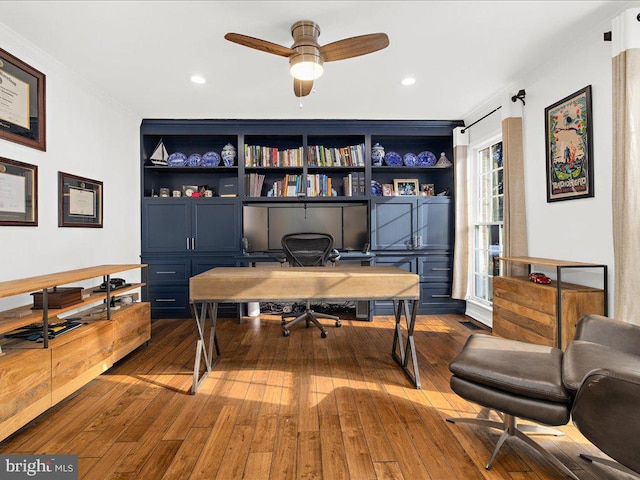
<point x="306" y="67"/>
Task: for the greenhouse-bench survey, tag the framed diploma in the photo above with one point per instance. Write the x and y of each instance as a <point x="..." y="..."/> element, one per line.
<point x="22" y="103"/>
<point x="79" y="201"/>
<point x="18" y="193"/>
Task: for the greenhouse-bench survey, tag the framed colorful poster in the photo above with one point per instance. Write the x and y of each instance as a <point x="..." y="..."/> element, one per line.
<point x="569" y="144"/>
<point x="79" y="201"/>
<point x="18" y="193"/>
<point x="22" y="103"/>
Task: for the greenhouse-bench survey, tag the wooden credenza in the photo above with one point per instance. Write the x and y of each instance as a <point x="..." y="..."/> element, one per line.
<point x="35" y="376"/>
<point x="544" y="314"/>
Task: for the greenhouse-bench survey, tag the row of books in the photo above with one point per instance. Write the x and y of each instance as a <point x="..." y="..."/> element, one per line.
<point x="257" y="156"/>
<point x="253" y="183"/>
<point x="317" y="156"/>
<point x="350" y="156"/>
<point x="290" y="186"/>
<point x="319" y="185"/>
<point x="354" y="185"/>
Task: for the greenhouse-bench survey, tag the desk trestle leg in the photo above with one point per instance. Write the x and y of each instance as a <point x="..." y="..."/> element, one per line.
<point x="204" y="350"/>
<point x="400" y="352"/>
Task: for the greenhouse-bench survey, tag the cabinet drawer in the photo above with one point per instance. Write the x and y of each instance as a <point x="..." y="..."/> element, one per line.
<point x="436" y="268"/>
<point x="161" y="273"/>
<point x="169" y="298"/>
<point x="202" y="264"/>
<point x="436" y="294"/>
<point x="405" y="262"/>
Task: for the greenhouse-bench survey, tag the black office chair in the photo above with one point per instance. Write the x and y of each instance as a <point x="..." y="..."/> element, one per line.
<point x="308" y="250"/>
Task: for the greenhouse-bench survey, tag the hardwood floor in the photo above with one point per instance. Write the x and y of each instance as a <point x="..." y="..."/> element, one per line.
<point x="300" y="407"/>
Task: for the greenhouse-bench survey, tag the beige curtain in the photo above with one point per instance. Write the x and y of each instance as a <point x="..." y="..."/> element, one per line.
<point x="515" y="217"/>
<point x="461" y="246"/>
<point x="626" y="184"/>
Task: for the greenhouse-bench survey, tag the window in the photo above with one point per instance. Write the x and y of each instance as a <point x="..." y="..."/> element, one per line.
<point x="488" y="222"/>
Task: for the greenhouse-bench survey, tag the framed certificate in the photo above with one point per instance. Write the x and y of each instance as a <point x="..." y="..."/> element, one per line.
<point x="79" y="201"/>
<point x="18" y="193"/>
<point x="22" y="103"/>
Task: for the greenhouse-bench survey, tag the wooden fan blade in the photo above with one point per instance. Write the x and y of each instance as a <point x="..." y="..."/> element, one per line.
<point x="302" y="88"/>
<point x="354" y="47"/>
<point x="259" y="44"/>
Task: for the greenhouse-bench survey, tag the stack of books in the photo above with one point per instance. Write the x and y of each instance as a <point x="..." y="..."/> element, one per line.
<point x="34" y="332"/>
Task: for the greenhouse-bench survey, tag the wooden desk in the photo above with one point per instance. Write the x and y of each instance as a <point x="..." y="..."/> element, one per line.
<point x="241" y="285"/>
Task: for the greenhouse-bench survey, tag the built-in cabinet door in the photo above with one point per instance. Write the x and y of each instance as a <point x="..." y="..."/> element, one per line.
<point x="393" y="223"/>
<point x="216" y="226"/>
<point x="436" y="223"/>
<point x="166" y="225"/>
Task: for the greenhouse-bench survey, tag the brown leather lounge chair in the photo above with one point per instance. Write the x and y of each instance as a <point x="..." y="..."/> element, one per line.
<point x="602" y="365"/>
<point x="539" y="383"/>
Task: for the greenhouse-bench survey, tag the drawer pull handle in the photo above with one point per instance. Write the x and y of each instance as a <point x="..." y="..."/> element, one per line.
<point x="165" y="299"/>
<point x="441" y="269"/>
<point x="440" y="296"/>
<point x="169" y="272"/>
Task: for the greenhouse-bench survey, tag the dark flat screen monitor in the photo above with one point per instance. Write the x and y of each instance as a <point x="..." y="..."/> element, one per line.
<point x="265" y="225"/>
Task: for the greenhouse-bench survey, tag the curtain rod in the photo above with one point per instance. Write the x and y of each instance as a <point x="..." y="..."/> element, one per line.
<point x="518" y="96"/>
<point x="480" y="119"/>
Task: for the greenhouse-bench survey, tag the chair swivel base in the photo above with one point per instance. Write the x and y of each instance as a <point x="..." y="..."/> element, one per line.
<point x="309" y="317"/>
<point x="510" y="428"/>
<point x="609" y="463"/>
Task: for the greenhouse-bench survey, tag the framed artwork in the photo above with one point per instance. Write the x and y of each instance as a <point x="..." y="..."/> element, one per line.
<point x="18" y="193"/>
<point x="79" y="201"/>
<point x="569" y="155"/>
<point x="406" y="186"/>
<point x="22" y="103"/>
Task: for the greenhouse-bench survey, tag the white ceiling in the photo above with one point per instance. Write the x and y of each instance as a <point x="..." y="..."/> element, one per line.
<point x="142" y="53"/>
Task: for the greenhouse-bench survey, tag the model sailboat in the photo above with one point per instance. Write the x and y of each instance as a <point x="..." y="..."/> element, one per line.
<point x="159" y="155"/>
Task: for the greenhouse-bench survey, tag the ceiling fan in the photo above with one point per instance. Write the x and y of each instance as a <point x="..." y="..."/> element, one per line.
<point x="306" y="56"/>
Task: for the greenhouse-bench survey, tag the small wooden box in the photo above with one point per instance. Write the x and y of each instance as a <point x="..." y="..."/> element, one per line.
<point x="58" y="297"/>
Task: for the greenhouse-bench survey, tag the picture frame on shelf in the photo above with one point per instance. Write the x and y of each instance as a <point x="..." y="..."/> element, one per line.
<point x="427" y="189"/>
<point x="569" y="147"/>
<point x="387" y="190"/>
<point x="18" y="193"/>
<point x="406" y="186"/>
<point x="80" y="202"/>
<point x="22" y="103"/>
<point x="190" y="191"/>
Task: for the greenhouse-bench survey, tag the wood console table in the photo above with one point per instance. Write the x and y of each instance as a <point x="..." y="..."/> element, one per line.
<point x="241" y="285"/>
<point x="35" y="376"/>
<point x="544" y="314"/>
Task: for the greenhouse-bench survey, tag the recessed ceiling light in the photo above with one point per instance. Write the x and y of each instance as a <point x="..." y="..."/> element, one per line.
<point x="199" y="79"/>
<point x="408" y="81"/>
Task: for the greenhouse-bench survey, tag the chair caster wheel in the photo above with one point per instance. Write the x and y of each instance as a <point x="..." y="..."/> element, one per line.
<point x="323" y="334"/>
<point x="285" y="332"/>
<point x="338" y="323"/>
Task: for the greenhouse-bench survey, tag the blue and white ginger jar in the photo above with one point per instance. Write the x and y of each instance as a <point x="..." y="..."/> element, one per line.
<point x="228" y="155"/>
<point x="377" y="155"/>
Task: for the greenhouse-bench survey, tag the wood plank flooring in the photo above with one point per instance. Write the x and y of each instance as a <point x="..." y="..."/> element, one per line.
<point x="298" y="407"/>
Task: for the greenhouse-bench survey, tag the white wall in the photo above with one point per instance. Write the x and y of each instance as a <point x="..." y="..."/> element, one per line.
<point x="88" y="135"/>
<point x="577" y="230"/>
